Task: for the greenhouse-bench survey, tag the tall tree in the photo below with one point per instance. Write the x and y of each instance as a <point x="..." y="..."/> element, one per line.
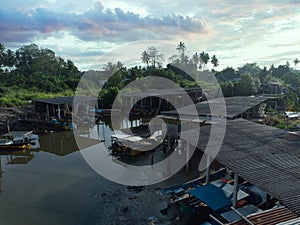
<point x="204" y="58"/>
<point x="196" y="58"/>
<point x="214" y="61"/>
<point x="181" y="48"/>
<point x="10" y="59"/>
<point x="146" y="58"/>
<point x="296" y="61"/>
<point x="155" y="56"/>
<point x="2" y="54"/>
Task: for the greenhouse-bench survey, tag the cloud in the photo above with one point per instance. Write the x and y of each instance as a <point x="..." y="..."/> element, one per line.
<point x="97" y="23"/>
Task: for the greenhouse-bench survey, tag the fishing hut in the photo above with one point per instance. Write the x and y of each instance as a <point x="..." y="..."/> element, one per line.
<point x="267" y="157"/>
<point x="150" y="101"/>
<point x="62" y="109"/>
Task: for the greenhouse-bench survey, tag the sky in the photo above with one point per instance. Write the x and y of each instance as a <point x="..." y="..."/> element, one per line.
<point x="236" y="31"/>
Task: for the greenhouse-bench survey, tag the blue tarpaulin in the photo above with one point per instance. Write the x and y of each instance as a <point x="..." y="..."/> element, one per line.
<point x="216" y="195"/>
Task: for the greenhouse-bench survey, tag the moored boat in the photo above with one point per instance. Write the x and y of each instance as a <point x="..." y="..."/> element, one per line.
<point x="15" y="140"/>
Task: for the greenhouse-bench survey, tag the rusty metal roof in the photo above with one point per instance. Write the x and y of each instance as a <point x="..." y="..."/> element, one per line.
<point x="265" y="156"/>
<point x="269" y="217"/>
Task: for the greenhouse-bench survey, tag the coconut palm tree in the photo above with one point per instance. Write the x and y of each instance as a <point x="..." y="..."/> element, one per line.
<point x="204" y="58"/>
<point x="181" y="48"/>
<point x="296" y="61"/>
<point x="214" y="61"/>
<point x="146" y="58"/>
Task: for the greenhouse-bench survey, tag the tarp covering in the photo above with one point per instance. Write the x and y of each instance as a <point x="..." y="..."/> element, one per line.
<point x="216" y="195"/>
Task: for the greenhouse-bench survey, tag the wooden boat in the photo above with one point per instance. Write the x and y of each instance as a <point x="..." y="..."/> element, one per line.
<point x="15" y="140"/>
<point x="123" y="144"/>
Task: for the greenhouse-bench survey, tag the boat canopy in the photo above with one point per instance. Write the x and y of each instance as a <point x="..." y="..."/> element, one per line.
<point x="17" y="134"/>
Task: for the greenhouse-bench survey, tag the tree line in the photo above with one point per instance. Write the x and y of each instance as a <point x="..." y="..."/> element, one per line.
<point x="32" y="72"/>
<point x="153" y="58"/>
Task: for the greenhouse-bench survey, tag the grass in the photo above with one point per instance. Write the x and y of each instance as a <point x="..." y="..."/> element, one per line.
<point x="280" y="122"/>
<point x="19" y="97"/>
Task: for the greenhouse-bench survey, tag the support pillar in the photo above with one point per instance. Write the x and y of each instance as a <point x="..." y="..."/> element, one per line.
<point x="47" y="109"/>
<point x="187" y="164"/>
<point x="1" y="176"/>
<point x="169" y="143"/>
<point x="87" y="109"/>
<point x="235" y="190"/>
<point x="207" y="169"/>
<point x="58" y="112"/>
<point x="98" y="132"/>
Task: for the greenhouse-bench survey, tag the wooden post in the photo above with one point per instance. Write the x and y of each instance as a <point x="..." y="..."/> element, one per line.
<point x="103" y="131"/>
<point x="187" y="165"/>
<point x="58" y="112"/>
<point x="1" y="176"/>
<point x="98" y="132"/>
<point x="207" y="168"/>
<point x="48" y="114"/>
<point x="235" y="190"/>
<point x="7" y="124"/>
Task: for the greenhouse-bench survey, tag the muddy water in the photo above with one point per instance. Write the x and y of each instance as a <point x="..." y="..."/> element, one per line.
<point x="53" y="185"/>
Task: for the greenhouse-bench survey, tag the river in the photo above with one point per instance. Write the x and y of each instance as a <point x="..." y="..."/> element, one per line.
<point x="53" y="185"/>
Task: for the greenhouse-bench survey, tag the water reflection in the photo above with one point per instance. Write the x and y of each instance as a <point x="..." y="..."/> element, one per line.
<point x="64" y="143"/>
<point x="14" y="158"/>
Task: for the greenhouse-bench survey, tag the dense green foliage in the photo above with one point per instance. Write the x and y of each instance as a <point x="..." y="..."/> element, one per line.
<point x="250" y="79"/>
<point x="31" y="72"/>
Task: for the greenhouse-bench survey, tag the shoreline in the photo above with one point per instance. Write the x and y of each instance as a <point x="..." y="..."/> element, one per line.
<point x="23" y="118"/>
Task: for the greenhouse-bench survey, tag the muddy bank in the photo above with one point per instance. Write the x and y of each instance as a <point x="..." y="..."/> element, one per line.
<point x="23" y="118"/>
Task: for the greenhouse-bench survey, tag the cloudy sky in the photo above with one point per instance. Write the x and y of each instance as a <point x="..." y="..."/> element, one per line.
<point x="237" y="32"/>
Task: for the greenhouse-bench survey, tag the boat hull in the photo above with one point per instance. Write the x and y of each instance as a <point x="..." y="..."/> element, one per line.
<point x="14" y="147"/>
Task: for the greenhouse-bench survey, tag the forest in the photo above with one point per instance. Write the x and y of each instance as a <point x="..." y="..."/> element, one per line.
<point x="32" y="72"/>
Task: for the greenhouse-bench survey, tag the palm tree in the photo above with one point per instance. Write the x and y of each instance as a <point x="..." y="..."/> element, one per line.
<point x="196" y="58"/>
<point x="296" y="61"/>
<point x="204" y="58"/>
<point x="214" y="61"/>
<point x="181" y="48"/>
<point x="146" y="58"/>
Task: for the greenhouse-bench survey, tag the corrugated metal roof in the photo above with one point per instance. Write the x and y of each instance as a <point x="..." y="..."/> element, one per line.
<point x="66" y="100"/>
<point x="291" y="222"/>
<point x="160" y="92"/>
<point x="235" y="106"/>
<point x="293" y="203"/>
<point x="265" y="156"/>
<point x="269" y="217"/>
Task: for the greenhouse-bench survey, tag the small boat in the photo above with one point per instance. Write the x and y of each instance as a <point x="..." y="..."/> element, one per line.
<point x="16" y="140"/>
<point x="123" y="144"/>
